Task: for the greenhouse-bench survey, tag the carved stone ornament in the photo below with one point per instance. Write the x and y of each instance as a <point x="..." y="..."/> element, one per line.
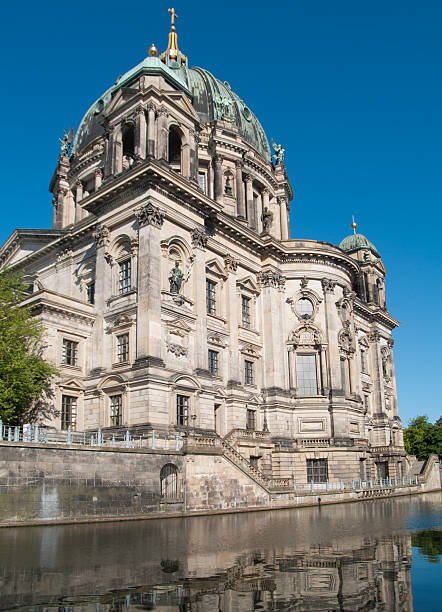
<point x="306" y="335"/>
<point x="177" y="349"/>
<point x="374" y="336"/>
<point x="149" y="215"/>
<point x="270" y="278"/>
<point x="230" y="263"/>
<point x="304" y="282"/>
<point x="390" y="342"/>
<point x="101" y="235"/>
<point x="345" y="339"/>
<point x="64" y="254"/>
<point x="199" y="238"/>
<point x="328" y="285"/>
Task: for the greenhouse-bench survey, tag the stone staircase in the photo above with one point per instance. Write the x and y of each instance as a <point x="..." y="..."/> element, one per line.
<point x="195" y="443"/>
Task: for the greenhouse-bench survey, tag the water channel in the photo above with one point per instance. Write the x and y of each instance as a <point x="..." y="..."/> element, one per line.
<point x="374" y="555"/>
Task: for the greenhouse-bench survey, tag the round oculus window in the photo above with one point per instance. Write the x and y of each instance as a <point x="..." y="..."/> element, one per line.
<point x="305" y="308"/>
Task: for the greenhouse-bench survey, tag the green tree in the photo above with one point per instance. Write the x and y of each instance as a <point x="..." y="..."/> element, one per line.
<point x="25" y="377"/>
<point x="422" y="438"/>
<point x="429" y="543"/>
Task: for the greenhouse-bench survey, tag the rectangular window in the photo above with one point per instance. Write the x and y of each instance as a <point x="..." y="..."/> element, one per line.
<point x="307" y="380"/>
<point x="248" y="372"/>
<point x="116" y="405"/>
<point x="68" y="412"/>
<point x="245" y="311"/>
<point x="364" y="365"/>
<point x="210" y="297"/>
<point x="317" y="470"/>
<point x="182" y="410"/>
<point x="202" y="181"/>
<point x="213" y="362"/>
<point x="251" y="420"/>
<point x="91" y="292"/>
<point x="70" y="352"/>
<point x="124" y="280"/>
<point x="123" y="348"/>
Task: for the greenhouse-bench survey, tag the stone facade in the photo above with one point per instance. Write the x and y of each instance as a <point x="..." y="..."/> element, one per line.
<point x="280" y="346"/>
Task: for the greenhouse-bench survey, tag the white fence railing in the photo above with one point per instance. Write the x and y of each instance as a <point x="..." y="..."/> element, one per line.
<point x="355" y="485"/>
<point x="43" y="435"/>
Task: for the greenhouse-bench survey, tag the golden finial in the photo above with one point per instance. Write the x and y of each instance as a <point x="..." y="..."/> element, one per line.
<point x="173" y="15"/>
<point x="153" y="51"/>
<point x="354" y="225"/>
<point x="172" y="52"/>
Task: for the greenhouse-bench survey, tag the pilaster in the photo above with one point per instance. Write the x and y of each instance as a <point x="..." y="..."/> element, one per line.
<point x="101" y="237"/>
<point x="140" y="133"/>
<point x="272" y="285"/>
<point x="151" y="128"/>
<point x="150" y="220"/>
<point x="199" y="243"/>
<point x="218" y="167"/>
<point x="240" y="192"/>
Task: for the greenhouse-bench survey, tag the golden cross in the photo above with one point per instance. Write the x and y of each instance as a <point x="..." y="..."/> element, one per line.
<point x="174" y="15"/>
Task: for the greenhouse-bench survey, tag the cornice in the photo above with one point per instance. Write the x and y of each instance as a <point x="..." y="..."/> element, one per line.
<point x="374" y="316"/>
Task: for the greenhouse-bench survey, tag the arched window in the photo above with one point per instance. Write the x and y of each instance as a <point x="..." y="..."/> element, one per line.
<point x="128" y="145"/>
<point x="169" y="481"/>
<point x="175" y="148"/>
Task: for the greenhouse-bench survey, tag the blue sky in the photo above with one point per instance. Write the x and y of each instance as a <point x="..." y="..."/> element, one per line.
<point x="351" y="89"/>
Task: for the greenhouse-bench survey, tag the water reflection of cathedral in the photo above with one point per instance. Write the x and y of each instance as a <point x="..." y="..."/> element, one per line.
<point x="366" y="575"/>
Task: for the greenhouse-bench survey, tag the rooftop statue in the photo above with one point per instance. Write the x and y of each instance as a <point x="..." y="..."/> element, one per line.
<point x="66" y="142"/>
<point x="279" y="153"/>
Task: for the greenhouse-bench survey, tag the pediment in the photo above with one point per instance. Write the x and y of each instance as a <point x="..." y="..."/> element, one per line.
<point x="216" y="268"/>
<point x="178" y="324"/>
<point x="25" y="242"/>
<point x="248" y="284"/>
<point x="72" y="383"/>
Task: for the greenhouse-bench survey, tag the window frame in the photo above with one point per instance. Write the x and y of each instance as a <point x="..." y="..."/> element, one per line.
<point x="182" y="416"/>
<point x="71" y="351"/>
<point x="119" y="415"/>
<point x="249" y="372"/>
<point x="300" y="387"/>
<point x="251" y="419"/>
<point x="213" y="362"/>
<point x="246" y="311"/>
<point x="69" y="412"/>
<point x="125" y="280"/>
<point x="317" y="470"/>
<point x="211" y="296"/>
<point x="123" y="356"/>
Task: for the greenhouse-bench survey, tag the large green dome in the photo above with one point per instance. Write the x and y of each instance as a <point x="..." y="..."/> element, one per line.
<point x="356" y="242"/>
<point x="211" y="98"/>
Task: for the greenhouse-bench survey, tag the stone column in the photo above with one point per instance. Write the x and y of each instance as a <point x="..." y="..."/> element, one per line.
<point x="101" y="236"/>
<point x="148" y="352"/>
<point x="194" y="141"/>
<point x="185" y="158"/>
<point x="78" y="198"/>
<point x="151" y="130"/>
<point x="241" y="209"/>
<point x="218" y="166"/>
<point x="249" y="201"/>
<point x="108" y="150"/>
<point x="233" y="301"/>
<point x="376" y="373"/>
<point x="284" y="221"/>
<point x="98" y="174"/>
<point x="259" y="213"/>
<point x="199" y="243"/>
<point x="118" y="149"/>
<point x="140" y="133"/>
<point x="390" y="343"/>
<point x="163" y="134"/>
<point x="274" y="368"/>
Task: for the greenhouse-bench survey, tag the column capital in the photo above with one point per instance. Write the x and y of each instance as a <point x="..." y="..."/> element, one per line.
<point x="101" y="235"/>
<point x="162" y="110"/>
<point x="199" y="238"/>
<point x="238" y="163"/>
<point x="374" y="336"/>
<point x="328" y="285"/>
<point x="271" y="278"/>
<point x="266" y="191"/>
<point x="149" y="215"/>
<point x="230" y="263"/>
<point x="150" y="106"/>
<point x="218" y="159"/>
<point x="248" y="178"/>
<point x="98" y="172"/>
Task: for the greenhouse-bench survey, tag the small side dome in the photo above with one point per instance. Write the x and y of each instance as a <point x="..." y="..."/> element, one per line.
<point x="357" y="242"/>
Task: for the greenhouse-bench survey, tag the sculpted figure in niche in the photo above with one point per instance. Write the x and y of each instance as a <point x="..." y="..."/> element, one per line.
<point x="267" y="220"/>
<point x="176" y="278"/>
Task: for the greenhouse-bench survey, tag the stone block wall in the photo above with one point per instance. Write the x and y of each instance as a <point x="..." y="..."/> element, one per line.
<point x="43" y="483"/>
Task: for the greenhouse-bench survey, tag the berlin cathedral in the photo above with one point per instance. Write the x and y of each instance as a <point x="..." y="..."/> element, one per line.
<point x="176" y="301"/>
